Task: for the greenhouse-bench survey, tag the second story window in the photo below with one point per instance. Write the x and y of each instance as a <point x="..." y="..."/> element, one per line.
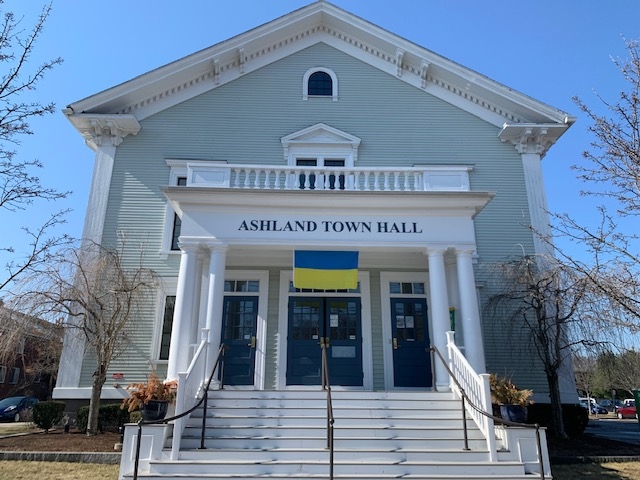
<point x="320" y="82"/>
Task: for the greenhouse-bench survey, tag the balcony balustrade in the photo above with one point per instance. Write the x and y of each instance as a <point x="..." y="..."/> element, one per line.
<point x="367" y="179"/>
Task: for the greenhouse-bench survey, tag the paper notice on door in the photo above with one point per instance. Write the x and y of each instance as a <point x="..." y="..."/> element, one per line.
<point x="333" y="320"/>
<point x="399" y="321"/>
<point x="408" y="321"/>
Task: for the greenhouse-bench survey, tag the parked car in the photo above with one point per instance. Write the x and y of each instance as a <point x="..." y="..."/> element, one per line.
<point x="598" y="409"/>
<point x="627" y="412"/>
<point x="593" y="407"/>
<point x="610" y="405"/>
<point x="629" y="402"/>
<point x="15" y="409"/>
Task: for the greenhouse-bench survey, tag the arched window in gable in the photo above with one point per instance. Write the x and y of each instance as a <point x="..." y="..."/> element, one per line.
<point x="320" y="82"/>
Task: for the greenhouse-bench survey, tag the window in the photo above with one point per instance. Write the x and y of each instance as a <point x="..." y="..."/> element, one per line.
<point x="20" y="346"/>
<point x="320" y="82"/>
<point x="177" y="222"/>
<point x="320" y="181"/>
<point x="3" y="373"/>
<point x="15" y="375"/>
<point x="241" y="286"/>
<point x="415" y="288"/>
<point x="167" y="322"/>
<point x="293" y="289"/>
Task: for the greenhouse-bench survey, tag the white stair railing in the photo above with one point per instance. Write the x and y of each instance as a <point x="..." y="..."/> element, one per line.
<point x="190" y="384"/>
<point x="476" y="387"/>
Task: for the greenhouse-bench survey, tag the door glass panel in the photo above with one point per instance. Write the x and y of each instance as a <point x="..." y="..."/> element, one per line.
<point x="343" y="320"/>
<point x="240" y="318"/>
<point x="305" y="321"/>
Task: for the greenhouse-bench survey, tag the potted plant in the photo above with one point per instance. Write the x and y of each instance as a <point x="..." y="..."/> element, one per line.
<point x="512" y="400"/>
<point x="152" y="397"/>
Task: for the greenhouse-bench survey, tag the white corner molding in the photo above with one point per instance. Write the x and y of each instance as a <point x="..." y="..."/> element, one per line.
<point x="103" y="129"/>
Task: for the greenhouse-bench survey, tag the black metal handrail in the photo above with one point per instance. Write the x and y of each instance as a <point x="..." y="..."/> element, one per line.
<point x="464" y="397"/>
<point x="204" y="398"/>
<point x="326" y="385"/>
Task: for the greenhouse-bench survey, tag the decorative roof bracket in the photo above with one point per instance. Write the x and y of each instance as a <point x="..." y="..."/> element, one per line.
<point x="424" y="68"/>
<point x="399" y="56"/>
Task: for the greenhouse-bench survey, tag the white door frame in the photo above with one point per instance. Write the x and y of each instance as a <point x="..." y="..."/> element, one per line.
<point x="385" y="303"/>
<point x="261" y="323"/>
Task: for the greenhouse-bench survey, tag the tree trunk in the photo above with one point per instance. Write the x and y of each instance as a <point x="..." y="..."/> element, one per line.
<point x="557" y="421"/>
<point x="98" y="380"/>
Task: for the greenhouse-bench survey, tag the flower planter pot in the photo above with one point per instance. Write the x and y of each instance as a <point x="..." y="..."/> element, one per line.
<point x="154" y="410"/>
<point x="514" y="413"/>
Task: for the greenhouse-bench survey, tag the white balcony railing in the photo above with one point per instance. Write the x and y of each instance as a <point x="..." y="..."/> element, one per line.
<point x="261" y="177"/>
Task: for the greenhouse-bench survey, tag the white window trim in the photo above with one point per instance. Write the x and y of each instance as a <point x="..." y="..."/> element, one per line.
<point x="286" y="276"/>
<point x="386" y="278"/>
<point x="15" y="376"/>
<point x="178" y="169"/>
<point x="169" y="287"/>
<point x="334" y="83"/>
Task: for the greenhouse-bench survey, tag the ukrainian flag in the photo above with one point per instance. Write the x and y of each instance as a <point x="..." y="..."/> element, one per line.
<point x="325" y="270"/>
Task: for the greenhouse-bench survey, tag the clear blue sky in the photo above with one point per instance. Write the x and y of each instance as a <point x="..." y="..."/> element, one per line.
<point x="548" y="49"/>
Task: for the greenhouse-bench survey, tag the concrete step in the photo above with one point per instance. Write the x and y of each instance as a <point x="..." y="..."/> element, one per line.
<point x="249" y="467"/>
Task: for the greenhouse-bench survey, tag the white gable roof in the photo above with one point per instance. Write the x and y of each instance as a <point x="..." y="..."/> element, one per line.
<point x="319" y="22"/>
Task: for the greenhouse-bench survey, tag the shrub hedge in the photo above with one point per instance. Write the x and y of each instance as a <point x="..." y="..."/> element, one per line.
<point x="48" y="414"/>
<point x="110" y="418"/>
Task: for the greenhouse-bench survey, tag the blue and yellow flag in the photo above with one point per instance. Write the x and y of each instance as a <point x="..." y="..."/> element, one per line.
<point x="325" y="270"/>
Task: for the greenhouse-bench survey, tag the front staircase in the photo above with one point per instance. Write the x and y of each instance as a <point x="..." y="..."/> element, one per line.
<point x="283" y="435"/>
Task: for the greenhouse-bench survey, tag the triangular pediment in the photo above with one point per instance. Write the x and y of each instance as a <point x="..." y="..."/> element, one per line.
<point x="320" y="134"/>
<point x="318" y="22"/>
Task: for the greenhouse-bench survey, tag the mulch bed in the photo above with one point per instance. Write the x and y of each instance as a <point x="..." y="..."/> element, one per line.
<point x="58" y="441"/>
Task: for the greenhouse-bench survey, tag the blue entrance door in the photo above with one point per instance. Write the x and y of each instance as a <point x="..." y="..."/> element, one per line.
<point x="239" y="322"/>
<point x="409" y="327"/>
<point x="333" y="321"/>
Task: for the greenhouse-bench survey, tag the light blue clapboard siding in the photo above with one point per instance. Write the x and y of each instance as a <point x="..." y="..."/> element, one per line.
<point x="376" y="331"/>
<point x="243" y="122"/>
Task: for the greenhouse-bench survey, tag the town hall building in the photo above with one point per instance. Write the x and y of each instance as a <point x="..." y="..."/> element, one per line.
<point x="312" y="136"/>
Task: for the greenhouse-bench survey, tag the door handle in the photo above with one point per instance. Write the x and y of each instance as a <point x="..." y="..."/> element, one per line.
<point x="395" y="343"/>
<point x="252" y="344"/>
<point x="327" y="342"/>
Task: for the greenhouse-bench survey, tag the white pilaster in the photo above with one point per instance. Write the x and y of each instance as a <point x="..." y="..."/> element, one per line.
<point x="470" y="313"/>
<point x="184" y="312"/>
<point x="103" y="137"/>
<point x="537" y="199"/>
<point x="439" y="312"/>
<point x="215" y="298"/>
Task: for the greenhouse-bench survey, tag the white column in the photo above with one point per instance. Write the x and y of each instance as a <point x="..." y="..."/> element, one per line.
<point x="183" y="313"/>
<point x="439" y="312"/>
<point x="215" y="299"/>
<point x="470" y="313"/>
<point x="198" y="312"/>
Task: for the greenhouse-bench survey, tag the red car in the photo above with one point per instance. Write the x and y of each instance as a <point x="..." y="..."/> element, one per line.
<point x="626" y="412"/>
